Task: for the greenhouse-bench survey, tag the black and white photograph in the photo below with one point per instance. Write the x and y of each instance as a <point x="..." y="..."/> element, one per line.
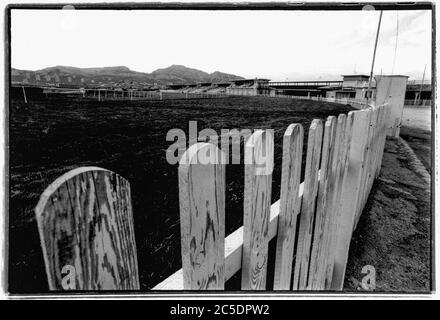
<point x="219" y="148"/>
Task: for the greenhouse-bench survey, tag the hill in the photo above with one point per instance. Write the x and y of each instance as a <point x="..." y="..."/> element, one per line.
<point x="118" y="76"/>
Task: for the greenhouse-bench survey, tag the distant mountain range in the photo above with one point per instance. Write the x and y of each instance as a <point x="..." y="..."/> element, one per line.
<point x="118" y="76"/>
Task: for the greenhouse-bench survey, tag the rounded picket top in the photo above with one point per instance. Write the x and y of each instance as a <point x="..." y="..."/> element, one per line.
<point x="202" y="153"/>
<point x="293" y="130"/>
<point x="290" y="204"/>
<point x="85" y="222"/>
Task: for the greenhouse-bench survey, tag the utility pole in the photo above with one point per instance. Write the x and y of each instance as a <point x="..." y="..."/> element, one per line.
<point x="374" y="56"/>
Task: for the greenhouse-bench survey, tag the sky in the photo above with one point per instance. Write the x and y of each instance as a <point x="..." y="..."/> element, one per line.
<point x="279" y="45"/>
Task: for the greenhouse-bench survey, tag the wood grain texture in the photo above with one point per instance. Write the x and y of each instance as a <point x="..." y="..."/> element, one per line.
<point x="289" y="205"/>
<point x="323" y="203"/>
<point x="202" y="217"/>
<point x="386" y="114"/>
<point x="344" y="133"/>
<point x="380" y="143"/>
<point x="257" y="201"/>
<point x="349" y="195"/>
<point x="377" y="144"/>
<point x="85" y="222"/>
<point x="364" y="166"/>
<point x="367" y="179"/>
<point x="308" y="205"/>
<point x="373" y="153"/>
<point x="332" y="204"/>
<point x="233" y="252"/>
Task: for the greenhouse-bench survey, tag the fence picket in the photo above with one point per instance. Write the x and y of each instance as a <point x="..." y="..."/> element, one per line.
<point x="373" y="147"/>
<point x="317" y="268"/>
<point x="289" y="205"/>
<point x="384" y="130"/>
<point x="343" y="136"/>
<point x="378" y="143"/>
<point x="202" y="217"/>
<point x="308" y="205"/>
<point x="365" y="164"/>
<point x="382" y="139"/>
<point x="257" y="202"/>
<point x="364" y="168"/>
<point x="86" y="230"/>
<point x="349" y="194"/>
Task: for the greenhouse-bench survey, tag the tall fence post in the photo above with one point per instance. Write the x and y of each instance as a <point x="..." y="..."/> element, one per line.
<point x="202" y="217"/>
<point x="257" y="201"/>
<point x="343" y="136"/>
<point x="308" y="205"/>
<point x="289" y="205"/>
<point x="327" y="173"/>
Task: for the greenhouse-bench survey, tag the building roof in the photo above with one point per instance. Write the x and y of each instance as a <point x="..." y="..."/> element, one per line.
<point x="391" y="75"/>
<point x="251" y="80"/>
<point x="418" y="82"/>
<point x="356" y="75"/>
<point x="330" y="87"/>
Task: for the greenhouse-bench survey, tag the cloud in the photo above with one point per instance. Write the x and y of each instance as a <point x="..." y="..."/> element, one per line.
<point x="274" y="44"/>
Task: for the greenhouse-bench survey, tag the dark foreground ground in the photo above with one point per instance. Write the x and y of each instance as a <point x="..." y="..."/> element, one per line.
<point x="49" y="138"/>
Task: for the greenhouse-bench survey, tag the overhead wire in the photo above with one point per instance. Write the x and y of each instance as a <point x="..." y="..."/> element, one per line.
<point x="394" y="58"/>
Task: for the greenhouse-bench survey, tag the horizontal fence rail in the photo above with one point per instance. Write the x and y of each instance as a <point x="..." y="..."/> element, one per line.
<point x="109" y="95"/>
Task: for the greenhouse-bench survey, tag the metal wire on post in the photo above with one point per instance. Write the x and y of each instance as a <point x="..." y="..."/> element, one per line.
<point x="374" y="56"/>
<point x="394" y="59"/>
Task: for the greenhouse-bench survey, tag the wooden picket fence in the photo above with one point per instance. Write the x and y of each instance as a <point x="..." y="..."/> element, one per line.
<point x="85" y="217"/>
<point x="111" y="95"/>
<point x="355" y="103"/>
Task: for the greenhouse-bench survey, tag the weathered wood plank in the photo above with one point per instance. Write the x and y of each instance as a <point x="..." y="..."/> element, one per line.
<point x="365" y="163"/>
<point x="308" y="205"/>
<point x="85" y="222"/>
<point x="349" y="195"/>
<point x="384" y="135"/>
<point x="344" y="126"/>
<point x="378" y="142"/>
<point x="373" y="147"/>
<point x="202" y="217"/>
<point x="257" y="201"/>
<point x="329" y="159"/>
<point x="289" y="205"/>
<point x="382" y="138"/>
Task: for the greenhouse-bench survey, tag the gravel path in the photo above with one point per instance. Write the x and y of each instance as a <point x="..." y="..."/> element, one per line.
<point x="393" y="234"/>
